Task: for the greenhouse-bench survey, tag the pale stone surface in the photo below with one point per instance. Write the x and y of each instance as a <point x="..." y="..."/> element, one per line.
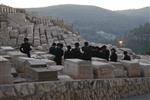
<point x="110" y="89"/>
<point x="78" y="69"/>
<point x="145" y="68"/>
<point x="41" y="74"/>
<point x="102" y="70"/>
<point x="5" y="71"/>
<point x="132" y="67"/>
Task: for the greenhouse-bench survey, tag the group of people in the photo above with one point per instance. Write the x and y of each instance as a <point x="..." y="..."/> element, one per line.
<point x="86" y="52"/>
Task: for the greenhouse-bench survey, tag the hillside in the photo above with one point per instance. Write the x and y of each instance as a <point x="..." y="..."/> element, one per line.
<point x="139" y="38"/>
<point x="89" y="20"/>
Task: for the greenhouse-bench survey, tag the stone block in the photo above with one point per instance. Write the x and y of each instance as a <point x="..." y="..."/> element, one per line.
<point x="132" y="67"/>
<point x="5" y="49"/>
<point x="5" y="71"/>
<point x="20" y="64"/>
<point x="145" y="68"/>
<point x="102" y="70"/>
<point x="47" y="56"/>
<point x="64" y="78"/>
<point x="118" y="70"/>
<point x="41" y="74"/>
<point x="99" y="59"/>
<point x="78" y="69"/>
<point x="36" y="63"/>
<point x="48" y="62"/>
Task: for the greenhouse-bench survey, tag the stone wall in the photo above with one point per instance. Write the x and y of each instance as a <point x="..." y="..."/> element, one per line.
<point x="111" y="89"/>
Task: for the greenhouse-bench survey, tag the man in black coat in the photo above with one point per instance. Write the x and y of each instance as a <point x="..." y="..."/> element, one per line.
<point x="105" y="53"/>
<point x="68" y="53"/>
<point x="113" y="56"/>
<point x="59" y="53"/>
<point x="52" y="49"/>
<point x="26" y="47"/>
<point x="87" y="52"/>
<point x="76" y="52"/>
<point x="126" y="56"/>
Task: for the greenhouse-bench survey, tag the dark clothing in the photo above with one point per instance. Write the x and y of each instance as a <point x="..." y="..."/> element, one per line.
<point x="76" y="53"/>
<point x="58" y="56"/>
<point x="68" y="54"/>
<point x="113" y="57"/>
<point x="25" y="48"/>
<point x="52" y="50"/>
<point x="87" y="53"/>
<point x="105" y="54"/>
<point x="127" y="57"/>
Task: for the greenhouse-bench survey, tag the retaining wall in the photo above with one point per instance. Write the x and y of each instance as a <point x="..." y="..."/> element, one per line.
<point x="108" y="89"/>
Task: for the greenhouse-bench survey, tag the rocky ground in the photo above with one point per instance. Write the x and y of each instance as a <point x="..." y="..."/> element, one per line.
<point x="143" y="97"/>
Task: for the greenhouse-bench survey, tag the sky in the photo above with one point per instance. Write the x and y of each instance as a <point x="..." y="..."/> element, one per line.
<point x="107" y="4"/>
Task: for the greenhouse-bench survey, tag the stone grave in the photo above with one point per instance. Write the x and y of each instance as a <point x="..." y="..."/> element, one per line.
<point x="118" y="69"/>
<point x="78" y="69"/>
<point x="145" y="69"/>
<point x="5" y="49"/>
<point x="5" y="71"/>
<point x="42" y="74"/>
<point x="102" y="70"/>
<point x="132" y="67"/>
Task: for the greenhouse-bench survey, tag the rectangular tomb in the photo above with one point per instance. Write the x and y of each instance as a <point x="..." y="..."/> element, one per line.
<point x="78" y="69"/>
<point x="102" y="70"/>
<point x="132" y="67"/>
<point x="145" y="68"/>
<point x="5" y="71"/>
<point x="42" y="74"/>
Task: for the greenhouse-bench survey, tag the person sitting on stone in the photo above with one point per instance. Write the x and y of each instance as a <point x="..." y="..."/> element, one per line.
<point x="126" y="56"/>
<point x="76" y="52"/>
<point x="113" y="56"/>
<point x="68" y="53"/>
<point x="26" y="47"/>
<point x="87" y="52"/>
<point x="52" y="49"/>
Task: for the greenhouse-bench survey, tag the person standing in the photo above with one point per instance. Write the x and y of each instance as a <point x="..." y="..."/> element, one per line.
<point x="113" y="56"/>
<point x="59" y="53"/>
<point x="26" y="47"/>
<point x="87" y="52"/>
<point x="52" y="49"/>
<point x="76" y="52"/>
<point x="105" y="53"/>
<point x="68" y="53"/>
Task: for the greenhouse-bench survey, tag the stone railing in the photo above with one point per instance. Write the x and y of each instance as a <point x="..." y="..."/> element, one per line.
<point x="108" y="89"/>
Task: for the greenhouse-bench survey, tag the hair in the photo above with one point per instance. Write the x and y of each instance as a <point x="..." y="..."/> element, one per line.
<point x="125" y="52"/>
<point x="69" y="47"/>
<point x="86" y="43"/>
<point x="26" y="39"/>
<point x="53" y="44"/>
<point x="77" y="44"/>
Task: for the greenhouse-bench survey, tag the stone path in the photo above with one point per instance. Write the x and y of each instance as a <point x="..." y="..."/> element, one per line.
<point x="143" y="97"/>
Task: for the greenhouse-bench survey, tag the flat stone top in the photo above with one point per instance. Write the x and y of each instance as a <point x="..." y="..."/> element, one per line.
<point x="45" y="69"/>
<point x="98" y="59"/>
<point x="7" y="48"/>
<point x="47" y="60"/>
<point x="130" y="62"/>
<point x="75" y="60"/>
<point x="145" y="64"/>
<point x="36" y="62"/>
<point x="56" y="67"/>
<point x="98" y="63"/>
<point x="2" y="59"/>
<point x="39" y="52"/>
<point x="16" y="53"/>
